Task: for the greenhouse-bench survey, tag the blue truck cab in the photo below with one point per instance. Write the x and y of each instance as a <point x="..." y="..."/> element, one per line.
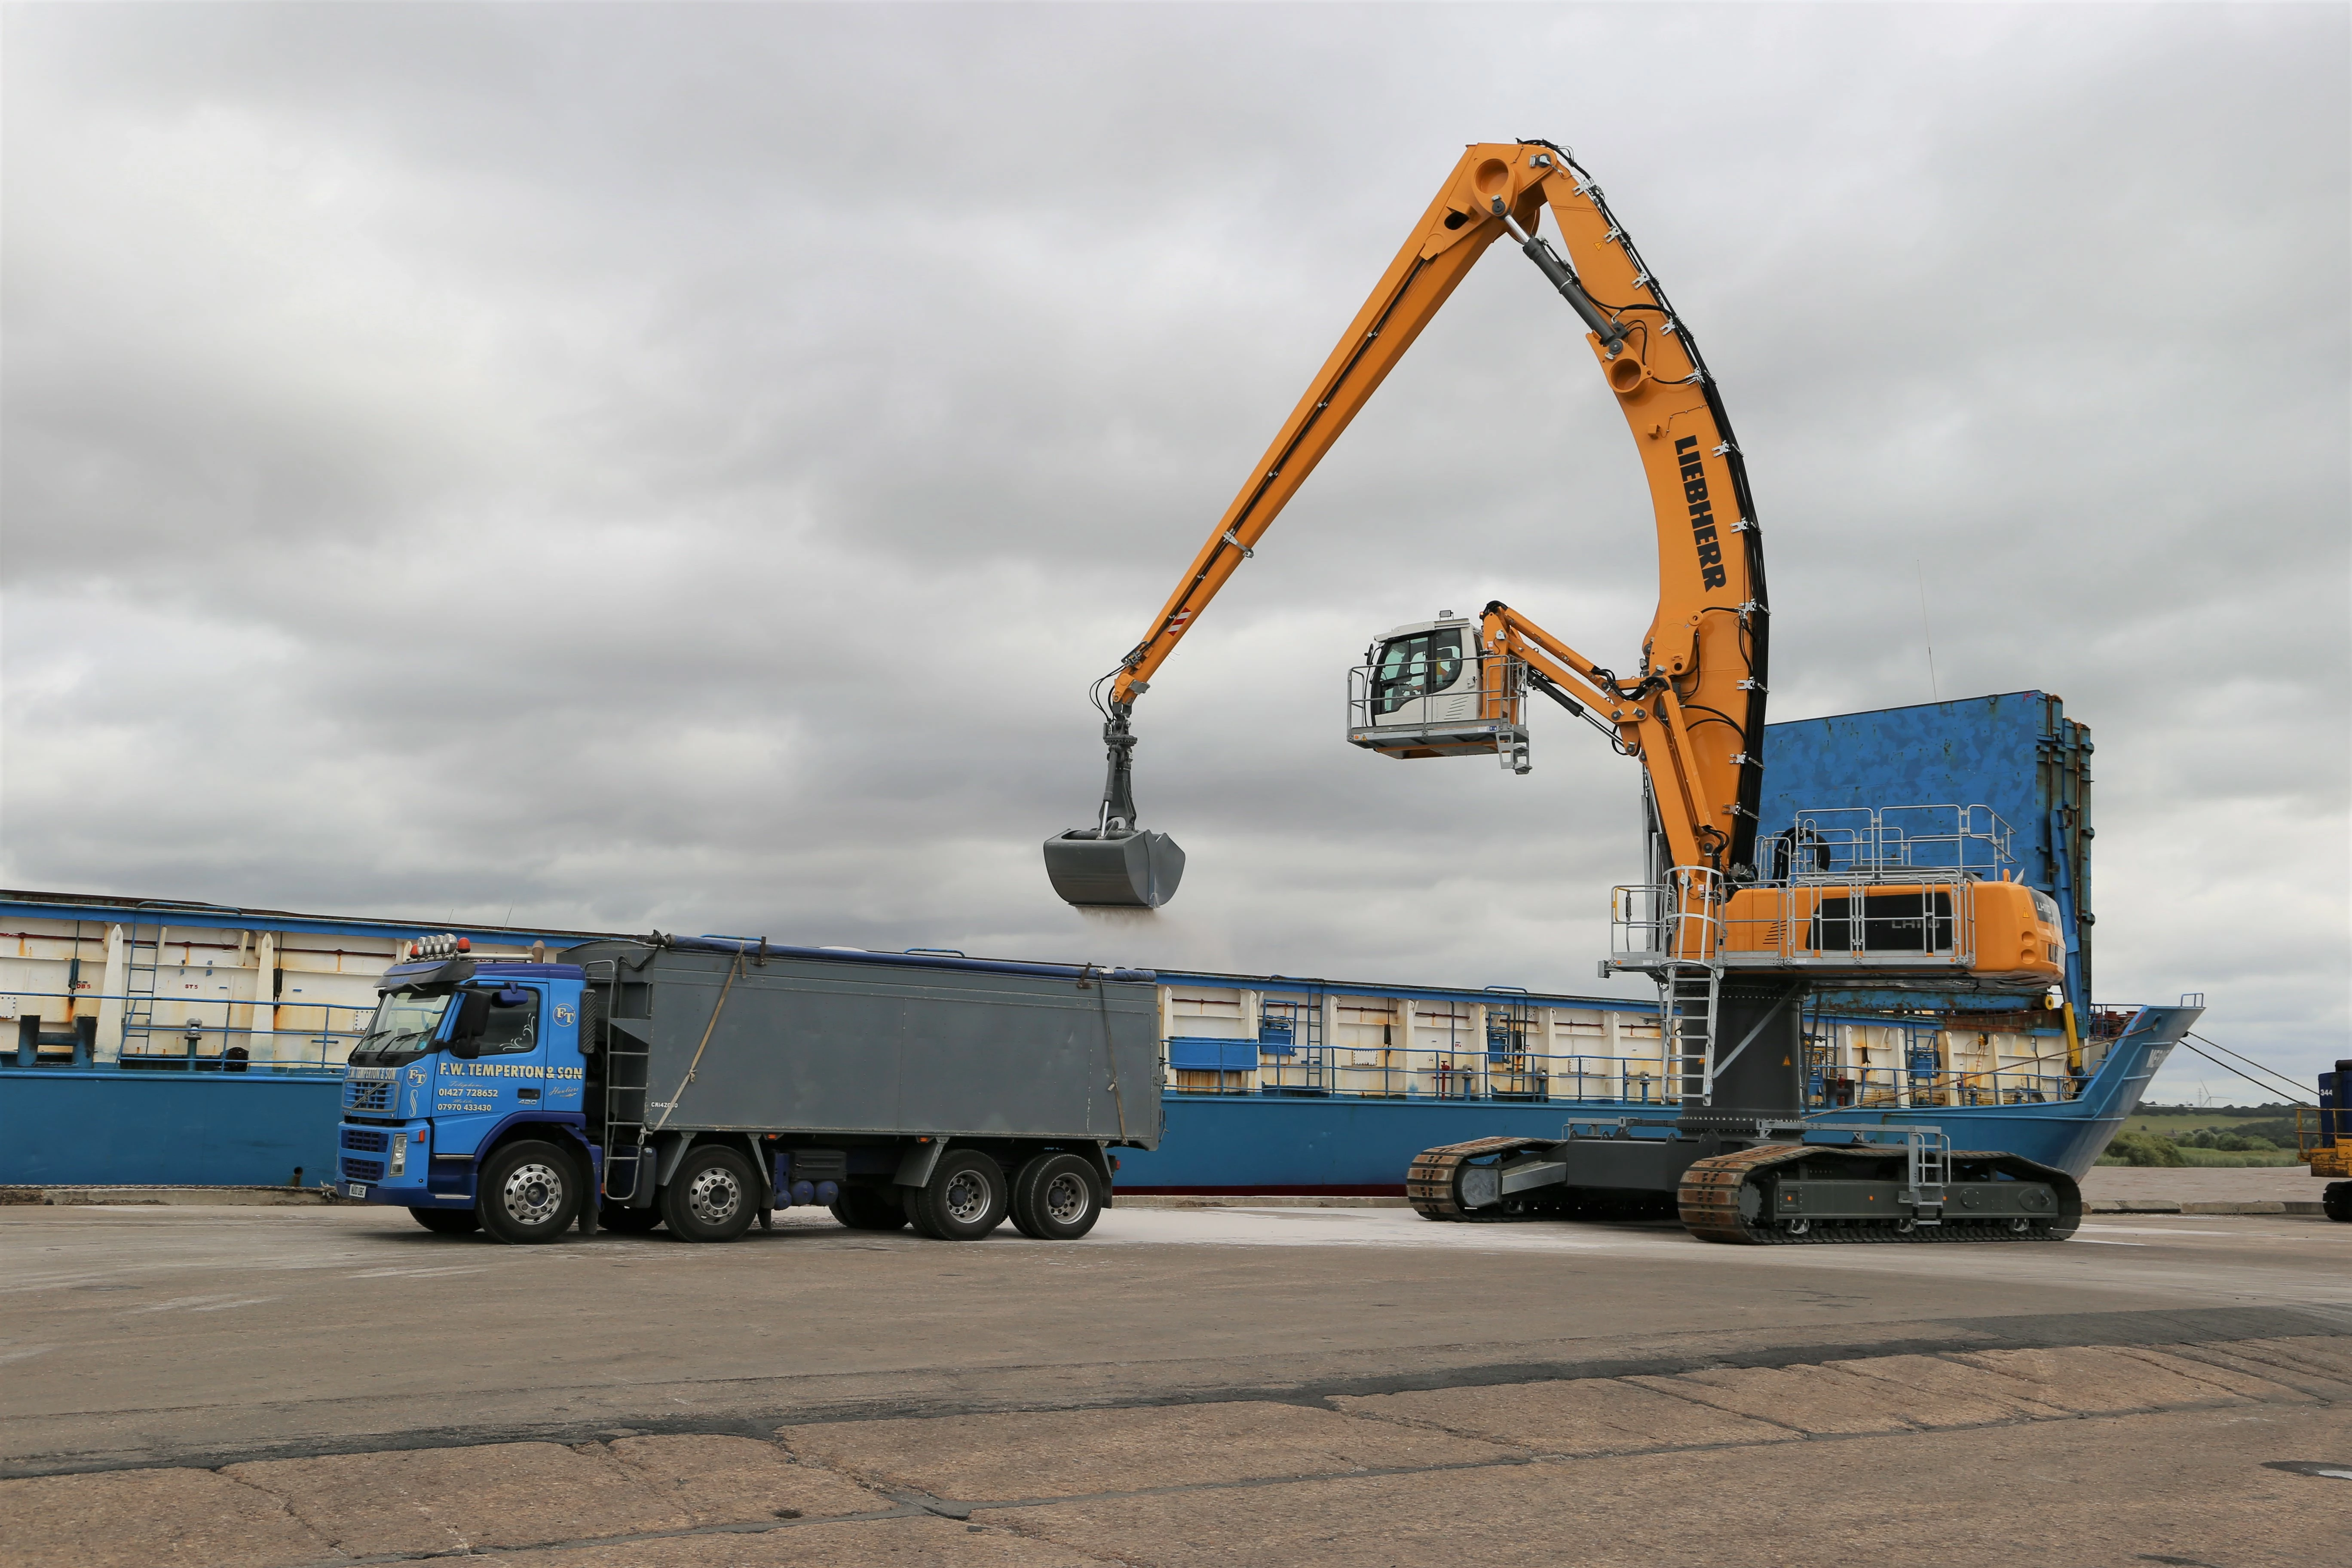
<point x="470" y="1072"/>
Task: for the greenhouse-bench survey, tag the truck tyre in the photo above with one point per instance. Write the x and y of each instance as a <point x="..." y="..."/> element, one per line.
<point x="2336" y="1202"/>
<point x="863" y="1208"/>
<point x="629" y="1221"/>
<point x="529" y="1192"/>
<point x="448" y="1222"/>
<point x="713" y="1197"/>
<point x="1056" y="1197"/>
<point x="964" y="1200"/>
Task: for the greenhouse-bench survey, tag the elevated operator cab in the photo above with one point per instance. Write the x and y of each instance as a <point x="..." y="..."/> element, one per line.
<point x="1422" y="691"/>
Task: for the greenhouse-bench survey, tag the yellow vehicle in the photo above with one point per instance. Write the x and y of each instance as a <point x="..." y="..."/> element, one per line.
<point x="1735" y="937"/>
<point x="2323" y="1138"/>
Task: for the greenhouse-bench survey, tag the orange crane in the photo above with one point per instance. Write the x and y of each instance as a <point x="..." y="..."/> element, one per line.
<point x="1733" y="946"/>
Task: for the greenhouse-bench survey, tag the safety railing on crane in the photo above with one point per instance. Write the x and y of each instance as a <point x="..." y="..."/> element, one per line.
<point x="1674" y="931"/>
<point x="1861" y="886"/>
<point x="1476" y="714"/>
<point x="1842" y="843"/>
<point x="1678" y="921"/>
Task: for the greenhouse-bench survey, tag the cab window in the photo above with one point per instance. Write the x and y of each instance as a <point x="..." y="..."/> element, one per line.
<point x="1415" y="666"/>
<point x="513" y="1026"/>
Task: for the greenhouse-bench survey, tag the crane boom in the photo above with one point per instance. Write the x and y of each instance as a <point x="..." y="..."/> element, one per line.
<point x="1694" y="709"/>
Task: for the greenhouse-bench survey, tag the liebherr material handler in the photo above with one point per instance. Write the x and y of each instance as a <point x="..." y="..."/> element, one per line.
<point x="1734" y="939"/>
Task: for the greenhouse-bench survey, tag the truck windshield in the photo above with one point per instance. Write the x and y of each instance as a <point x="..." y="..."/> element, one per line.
<point x="401" y="1031"/>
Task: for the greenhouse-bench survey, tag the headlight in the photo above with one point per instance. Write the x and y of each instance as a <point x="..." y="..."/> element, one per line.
<point x="399" y="1153"/>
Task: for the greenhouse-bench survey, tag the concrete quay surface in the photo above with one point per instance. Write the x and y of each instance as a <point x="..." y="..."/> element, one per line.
<point x="2107" y="1189"/>
<point x="298" y="1385"/>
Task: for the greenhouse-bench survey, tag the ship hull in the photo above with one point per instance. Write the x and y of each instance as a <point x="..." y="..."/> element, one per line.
<point x="65" y="1126"/>
<point x="1267" y="1144"/>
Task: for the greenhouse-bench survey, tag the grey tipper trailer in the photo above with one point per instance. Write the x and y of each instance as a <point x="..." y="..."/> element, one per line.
<point x="726" y="1078"/>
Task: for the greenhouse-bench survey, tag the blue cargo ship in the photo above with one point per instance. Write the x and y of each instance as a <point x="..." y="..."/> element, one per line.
<point x="168" y="1042"/>
<point x="2006" y="1088"/>
<point x="1273" y="1085"/>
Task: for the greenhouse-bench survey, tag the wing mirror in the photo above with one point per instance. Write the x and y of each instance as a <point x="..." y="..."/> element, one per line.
<point x="473" y="1017"/>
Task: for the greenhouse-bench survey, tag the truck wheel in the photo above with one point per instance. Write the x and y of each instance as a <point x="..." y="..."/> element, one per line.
<point x="1056" y="1197"/>
<point x="2336" y="1202"/>
<point x="448" y="1222"/>
<point x="863" y="1208"/>
<point x="965" y="1199"/>
<point x="628" y="1221"/>
<point x="529" y="1192"/>
<point x="714" y="1196"/>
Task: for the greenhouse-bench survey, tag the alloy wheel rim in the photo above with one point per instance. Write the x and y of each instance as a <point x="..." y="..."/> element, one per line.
<point x="966" y="1197"/>
<point x="532" y="1194"/>
<point x="713" y="1195"/>
<point x="1066" y="1198"/>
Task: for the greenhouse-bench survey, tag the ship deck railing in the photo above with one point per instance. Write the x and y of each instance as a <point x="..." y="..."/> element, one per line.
<point x="193" y="1044"/>
<point x="1438" y="1074"/>
<point x="2041" y="1082"/>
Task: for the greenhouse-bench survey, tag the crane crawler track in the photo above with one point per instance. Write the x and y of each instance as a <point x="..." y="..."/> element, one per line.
<point x="1431" y="1181"/>
<point x="1711" y="1210"/>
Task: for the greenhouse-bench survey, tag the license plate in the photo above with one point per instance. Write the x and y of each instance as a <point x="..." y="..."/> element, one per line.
<point x="356" y="1190"/>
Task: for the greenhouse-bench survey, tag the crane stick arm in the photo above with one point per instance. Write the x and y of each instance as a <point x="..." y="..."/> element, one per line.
<point x="1646" y="714"/>
<point x="1447" y="242"/>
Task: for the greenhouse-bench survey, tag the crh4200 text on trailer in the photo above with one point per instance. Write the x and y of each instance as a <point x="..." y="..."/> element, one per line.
<point x="701" y="1082"/>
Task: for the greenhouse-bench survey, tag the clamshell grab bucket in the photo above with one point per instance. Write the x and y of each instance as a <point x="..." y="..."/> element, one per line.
<point x="1138" y="870"/>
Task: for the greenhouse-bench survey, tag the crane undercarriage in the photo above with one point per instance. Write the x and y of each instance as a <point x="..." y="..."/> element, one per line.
<point x="1733" y="1162"/>
<point x="1762" y="1194"/>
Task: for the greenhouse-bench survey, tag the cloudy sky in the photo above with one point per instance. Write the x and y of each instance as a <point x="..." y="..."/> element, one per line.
<point x="682" y="466"/>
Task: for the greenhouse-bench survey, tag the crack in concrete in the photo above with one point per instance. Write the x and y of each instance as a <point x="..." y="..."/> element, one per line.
<point x="757" y="1526"/>
<point x="2224" y="1330"/>
<point x="912" y="1503"/>
<point x="286" y="1507"/>
<point x="2035" y="1331"/>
